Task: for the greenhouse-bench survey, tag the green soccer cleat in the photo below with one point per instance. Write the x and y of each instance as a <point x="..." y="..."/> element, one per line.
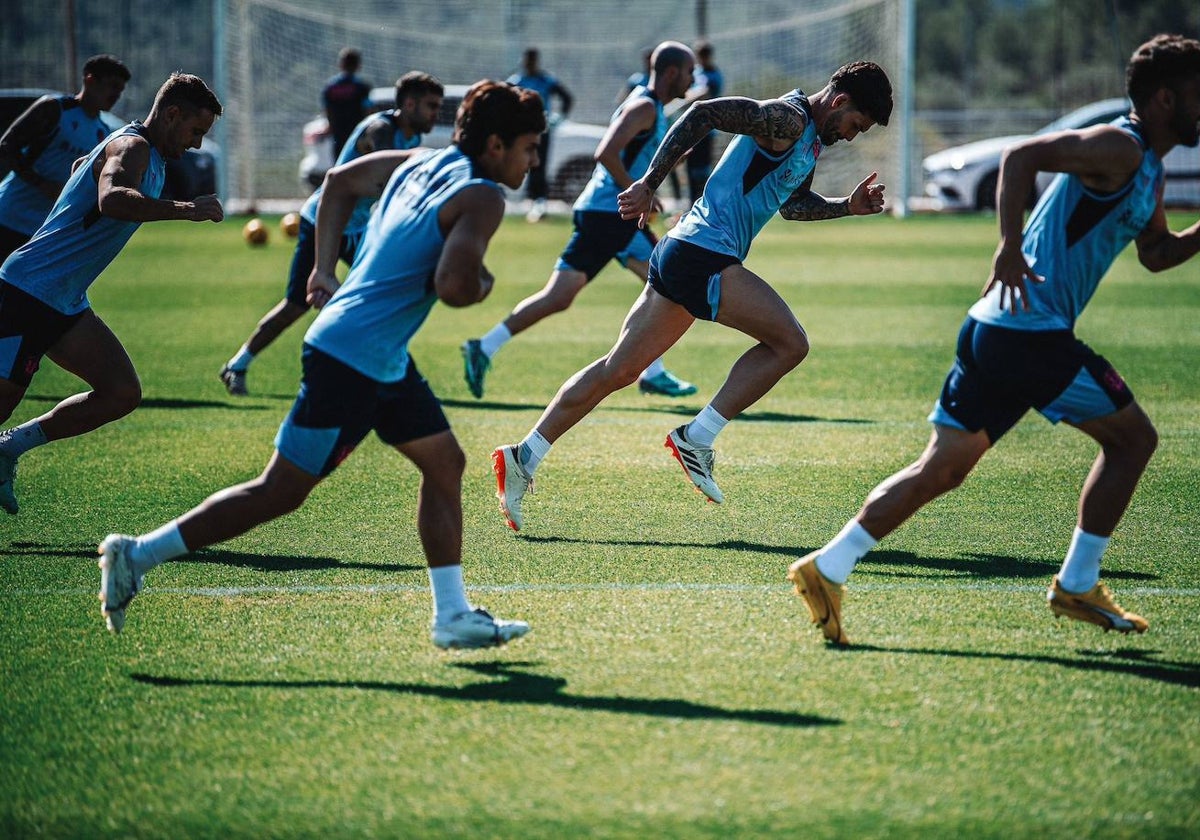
<point x="666" y="384"/>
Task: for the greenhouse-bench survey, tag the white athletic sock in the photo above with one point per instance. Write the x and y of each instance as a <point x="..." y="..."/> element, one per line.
<point x="449" y="596"/>
<point x="17" y="441"/>
<point x="656" y="367"/>
<point x="241" y="360"/>
<point x="532" y="450"/>
<point x="704" y="429"/>
<point x="1081" y="570"/>
<point x="494" y="339"/>
<point x="841" y="554"/>
<point x="157" y="547"/>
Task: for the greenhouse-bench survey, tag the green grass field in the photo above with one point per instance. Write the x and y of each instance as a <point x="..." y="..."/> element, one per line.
<point x="283" y="684"/>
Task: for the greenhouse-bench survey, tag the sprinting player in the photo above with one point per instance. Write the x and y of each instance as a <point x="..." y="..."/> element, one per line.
<point x="1017" y="349"/>
<point x="425" y="242"/>
<point x="39" y="148"/>
<point x="601" y="235"/>
<point x="418" y="98"/>
<point x="44" y="307"/>
<point x="696" y="270"/>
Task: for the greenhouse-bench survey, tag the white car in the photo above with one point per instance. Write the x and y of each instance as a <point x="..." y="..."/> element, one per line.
<point x="964" y="177"/>
<point x="572" y="144"/>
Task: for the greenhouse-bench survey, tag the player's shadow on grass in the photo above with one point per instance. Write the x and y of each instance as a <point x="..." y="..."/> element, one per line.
<point x="520" y="687"/>
<point x="288" y="562"/>
<point x="746" y="417"/>
<point x="171" y="403"/>
<point x="492" y="405"/>
<point x="20" y="548"/>
<point x="720" y="545"/>
<point x="972" y="565"/>
<point x="1125" y="661"/>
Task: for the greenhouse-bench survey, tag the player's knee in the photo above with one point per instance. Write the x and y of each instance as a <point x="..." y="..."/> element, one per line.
<point x="124" y="397"/>
<point x="793" y="349"/>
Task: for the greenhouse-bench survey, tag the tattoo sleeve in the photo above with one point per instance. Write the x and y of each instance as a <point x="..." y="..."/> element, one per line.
<point x="804" y="205"/>
<point x="771" y="120"/>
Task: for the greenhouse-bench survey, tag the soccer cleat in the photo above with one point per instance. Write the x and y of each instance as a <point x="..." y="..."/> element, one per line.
<point x="477" y="629"/>
<point x="118" y="585"/>
<point x="666" y="384"/>
<point x="512" y="483"/>
<point x="697" y="463"/>
<point x="1096" y="606"/>
<point x="822" y="597"/>
<point x="475" y="366"/>
<point x="235" y="381"/>
<point x="8" y="478"/>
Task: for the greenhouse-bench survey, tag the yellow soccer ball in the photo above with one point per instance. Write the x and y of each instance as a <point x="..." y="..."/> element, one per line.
<point x="290" y="225"/>
<point x="255" y="232"/>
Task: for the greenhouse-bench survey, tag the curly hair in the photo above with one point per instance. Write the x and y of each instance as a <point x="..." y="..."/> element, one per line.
<point x="1163" y="61"/>
<point x="492" y="107"/>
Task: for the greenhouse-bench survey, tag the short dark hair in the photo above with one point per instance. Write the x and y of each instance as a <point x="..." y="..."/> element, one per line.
<point x="868" y="88"/>
<point x="105" y="66"/>
<point x="703" y="47"/>
<point x="1163" y="61"/>
<point x="349" y="59"/>
<point x="492" y="107"/>
<point x="417" y="84"/>
<point x="187" y="92"/>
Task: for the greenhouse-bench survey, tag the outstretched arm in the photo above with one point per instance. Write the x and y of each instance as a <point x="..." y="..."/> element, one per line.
<point x="804" y="205"/>
<point x="119" y="170"/>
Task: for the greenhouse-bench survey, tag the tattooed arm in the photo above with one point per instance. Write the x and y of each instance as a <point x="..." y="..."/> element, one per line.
<point x="804" y="205"/>
<point x="773" y="123"/>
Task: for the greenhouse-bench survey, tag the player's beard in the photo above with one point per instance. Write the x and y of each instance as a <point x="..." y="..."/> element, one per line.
<point x="1188" y="131"/>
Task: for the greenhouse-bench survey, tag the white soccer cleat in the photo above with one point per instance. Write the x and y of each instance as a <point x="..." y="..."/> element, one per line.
<point x="477" y="629"/>
<point x="697" y="463"/>
<point x="118" y="586"/>
<point x="512" y="483"/>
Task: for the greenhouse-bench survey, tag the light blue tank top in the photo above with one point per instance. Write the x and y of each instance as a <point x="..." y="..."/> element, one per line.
<point x="76" y="242"/>
<point x="362" y="210"/>
<point x="389" y="290"/>
<point x="747" y="187"/>
<point x="1072" y="238"/>
<point x="23" y="207"/>
<point x="601" y="191"/>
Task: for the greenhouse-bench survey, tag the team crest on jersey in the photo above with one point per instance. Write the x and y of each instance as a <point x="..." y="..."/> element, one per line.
<point x="816" y="148"/>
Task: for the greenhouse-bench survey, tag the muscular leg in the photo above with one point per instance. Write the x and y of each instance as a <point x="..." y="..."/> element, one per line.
<point x="92" y="352"/>
<point x="229" y="513"/>
<point x="1127" y="441"/>
<point x="556" y="296"/>
<point x="947" y="460"/>
<point x="439" y="505"/>
<point x="751" y="306"/>
<point x="283" y="315"/>
<point x="652" y="326"/>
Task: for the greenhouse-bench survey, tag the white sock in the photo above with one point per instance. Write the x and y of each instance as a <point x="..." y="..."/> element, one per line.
<point x="1081" y="570"/>
<point x="157" y="547"/>
<point x="449" y="596"/>
<point x="841" y="554"/>
<point x="656" y="367"/>
<point x="704" y="429"/>
<point x="494" y="339"/>
<point x="17" y="441"/>
<point x="532" y="450"/>
<point x="241" y="360"/>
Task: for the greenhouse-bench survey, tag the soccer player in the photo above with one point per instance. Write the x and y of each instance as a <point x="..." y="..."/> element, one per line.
<point x="1017" y="348"/>
<point x="696" y="271"/>
<point x="345" y="99"/>
<point x="601" y="235"/>
<point x="533" y="77"/>
<point x="39" y="148"/>
<point x="44" y="308"/>
<point x="425" y="242"/>
<point x="418" y="98"/>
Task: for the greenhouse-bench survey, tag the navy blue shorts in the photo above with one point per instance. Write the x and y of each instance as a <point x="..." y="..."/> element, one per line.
<point x="1001" y="373"/>
<point x="305" y="257"/>
<point x="689" y="275"/>
<point x="28" y="329"/>
<point x="337" y="406"/>
<point x="600" y="237"/>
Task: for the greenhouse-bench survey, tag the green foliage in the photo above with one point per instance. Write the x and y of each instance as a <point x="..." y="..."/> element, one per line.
<point x="283" y="685"/>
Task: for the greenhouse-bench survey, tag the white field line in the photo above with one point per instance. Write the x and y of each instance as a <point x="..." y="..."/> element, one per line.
<point x="383" y="589"/>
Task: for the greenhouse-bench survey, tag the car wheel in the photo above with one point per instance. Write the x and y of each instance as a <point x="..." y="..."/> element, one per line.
<point x="985" y="193"/>
<point x="572" y="178"/>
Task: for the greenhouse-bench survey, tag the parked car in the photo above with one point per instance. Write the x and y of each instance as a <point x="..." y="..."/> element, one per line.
<point x="572" y="144"/>
<point x="192" y="175"/>
<point x="964" y="177"/>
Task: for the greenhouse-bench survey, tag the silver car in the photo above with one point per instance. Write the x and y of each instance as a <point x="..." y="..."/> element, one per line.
<point x="964" y="177"/>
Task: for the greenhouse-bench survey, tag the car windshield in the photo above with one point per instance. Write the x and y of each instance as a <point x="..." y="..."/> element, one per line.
<point x="1086" y="116"/>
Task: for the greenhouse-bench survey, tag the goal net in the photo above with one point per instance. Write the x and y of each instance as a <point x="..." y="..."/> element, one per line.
<point x="273" y="57"/>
